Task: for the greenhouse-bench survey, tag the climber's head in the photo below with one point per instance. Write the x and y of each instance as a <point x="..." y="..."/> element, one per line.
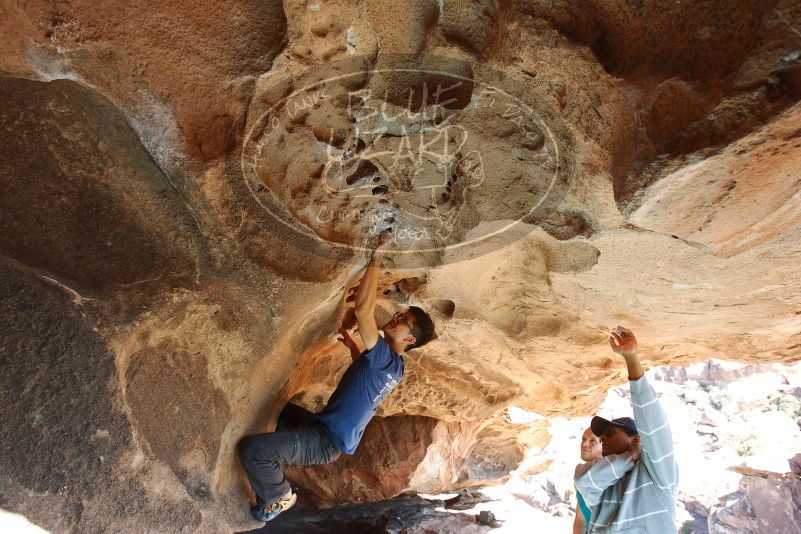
<point x="590" y="446"/>
<point x="409" y="329"/>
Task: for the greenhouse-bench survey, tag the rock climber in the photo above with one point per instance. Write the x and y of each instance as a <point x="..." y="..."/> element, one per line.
<point x="591" y="450"/>
<point x="634" y="484"/>
<point x="339" y="427"/>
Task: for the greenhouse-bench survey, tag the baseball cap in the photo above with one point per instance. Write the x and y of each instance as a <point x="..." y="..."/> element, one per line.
<point x="599" y="425"/>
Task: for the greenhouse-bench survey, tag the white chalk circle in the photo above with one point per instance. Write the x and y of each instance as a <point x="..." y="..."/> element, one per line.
<point x="338" y="161"/>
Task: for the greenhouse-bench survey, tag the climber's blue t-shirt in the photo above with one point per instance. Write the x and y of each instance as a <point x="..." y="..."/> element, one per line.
<point x="363" y="386"/>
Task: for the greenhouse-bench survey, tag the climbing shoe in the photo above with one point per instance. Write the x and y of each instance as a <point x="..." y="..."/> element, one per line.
<point x="267" y="512"/>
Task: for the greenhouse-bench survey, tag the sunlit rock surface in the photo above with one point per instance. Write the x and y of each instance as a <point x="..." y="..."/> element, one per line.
<point x="187" y="192"/>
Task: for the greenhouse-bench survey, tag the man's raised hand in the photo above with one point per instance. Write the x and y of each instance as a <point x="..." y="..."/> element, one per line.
<point x="622" y="341"/>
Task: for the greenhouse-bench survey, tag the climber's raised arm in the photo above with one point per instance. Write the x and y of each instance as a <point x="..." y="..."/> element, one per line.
<point x="366" y="294"/>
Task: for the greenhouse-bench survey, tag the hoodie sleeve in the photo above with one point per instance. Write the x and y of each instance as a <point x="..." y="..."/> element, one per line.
<point x="656" y="440"/>
<point x="592" y="478"/>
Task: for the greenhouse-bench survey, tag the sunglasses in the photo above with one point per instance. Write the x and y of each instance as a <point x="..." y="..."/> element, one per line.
<point x="401" y="318"/>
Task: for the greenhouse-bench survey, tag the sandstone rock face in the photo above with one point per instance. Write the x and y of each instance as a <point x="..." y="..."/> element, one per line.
<point x="98" y="212"/>
<point x="177" y="70"/>
<point x="188" y="192"/>
<point x="403" y="454"/>
<point x="378" y="471"/>
<point x="70" y="456"/>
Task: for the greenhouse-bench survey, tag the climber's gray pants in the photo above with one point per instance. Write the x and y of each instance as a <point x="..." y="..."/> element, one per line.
<point x="262" y="454"/>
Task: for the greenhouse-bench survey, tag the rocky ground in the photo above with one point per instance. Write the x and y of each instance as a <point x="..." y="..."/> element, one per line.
<point x="189" y="190"/>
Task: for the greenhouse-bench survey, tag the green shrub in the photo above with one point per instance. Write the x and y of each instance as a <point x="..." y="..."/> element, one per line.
<point x="788" y="404"/>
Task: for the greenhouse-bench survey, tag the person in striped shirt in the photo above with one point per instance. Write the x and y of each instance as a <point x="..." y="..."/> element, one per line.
<point x="632" y="488"/>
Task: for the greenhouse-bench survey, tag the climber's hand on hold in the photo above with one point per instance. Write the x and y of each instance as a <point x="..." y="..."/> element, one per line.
<point x="385" y="240"/>
<point x="344" y="337"/>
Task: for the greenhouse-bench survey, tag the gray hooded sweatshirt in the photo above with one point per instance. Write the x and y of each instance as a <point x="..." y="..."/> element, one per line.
<point x="630" y="497"/>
